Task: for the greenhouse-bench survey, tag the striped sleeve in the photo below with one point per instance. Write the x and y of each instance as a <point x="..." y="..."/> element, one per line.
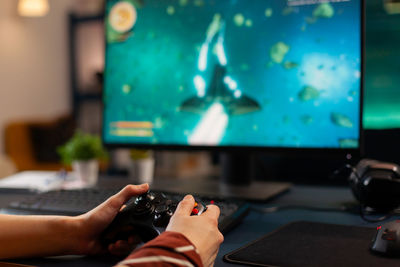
<point x="168" y="249"/>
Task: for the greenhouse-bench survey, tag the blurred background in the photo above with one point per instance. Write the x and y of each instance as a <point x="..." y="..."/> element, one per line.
<point x="51" y="64"/>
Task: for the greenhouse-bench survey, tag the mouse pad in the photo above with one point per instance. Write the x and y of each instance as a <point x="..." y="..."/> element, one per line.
<point x="312" y="244"/>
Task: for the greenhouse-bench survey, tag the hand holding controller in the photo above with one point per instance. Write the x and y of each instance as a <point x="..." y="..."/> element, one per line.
<point x="145" y="217"/>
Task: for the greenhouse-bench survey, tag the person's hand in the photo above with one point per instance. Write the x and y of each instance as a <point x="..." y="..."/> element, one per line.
<point x="92" y="224"/>
<point x="201" y="230"/>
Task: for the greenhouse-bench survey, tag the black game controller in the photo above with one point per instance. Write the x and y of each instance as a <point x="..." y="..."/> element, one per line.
<point x="145" y="217"/>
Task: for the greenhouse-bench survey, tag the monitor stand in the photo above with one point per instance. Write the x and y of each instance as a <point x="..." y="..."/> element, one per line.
<point x="235" y="181"/>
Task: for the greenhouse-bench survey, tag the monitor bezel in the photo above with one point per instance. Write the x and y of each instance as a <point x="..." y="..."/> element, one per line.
<point x="346" y="153"/>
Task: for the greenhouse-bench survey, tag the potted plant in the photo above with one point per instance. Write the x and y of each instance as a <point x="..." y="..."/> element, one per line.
<point x="83" y="151"/>
<point x="142" y="166"/>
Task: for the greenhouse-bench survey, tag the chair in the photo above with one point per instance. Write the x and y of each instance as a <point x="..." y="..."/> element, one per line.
<point x="32" y="144"/>
<point x="7" y="166"/>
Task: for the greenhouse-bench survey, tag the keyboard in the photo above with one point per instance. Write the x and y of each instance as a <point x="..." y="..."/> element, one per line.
<point x="78" y="201"/>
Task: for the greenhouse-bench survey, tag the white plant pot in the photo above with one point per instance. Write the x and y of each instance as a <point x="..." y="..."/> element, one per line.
<point x="142" y="170"/>
<point x="86" y="171"/>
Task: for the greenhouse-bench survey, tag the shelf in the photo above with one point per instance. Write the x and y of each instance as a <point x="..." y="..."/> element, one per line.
<point x="84" y="19"/>
<point x="80" y="96"/>
<point x="89" y="96"/>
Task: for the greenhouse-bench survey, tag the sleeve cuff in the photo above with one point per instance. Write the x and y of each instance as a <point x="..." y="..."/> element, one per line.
<point x="167" y="249"/>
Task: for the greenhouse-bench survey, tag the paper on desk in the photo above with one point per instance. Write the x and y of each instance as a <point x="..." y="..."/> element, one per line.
<point x="34" y="180"/>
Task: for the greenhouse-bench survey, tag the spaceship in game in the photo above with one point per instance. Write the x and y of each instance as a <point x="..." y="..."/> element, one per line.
<point x="223" y="88"/>
<point x="234" y="102"/>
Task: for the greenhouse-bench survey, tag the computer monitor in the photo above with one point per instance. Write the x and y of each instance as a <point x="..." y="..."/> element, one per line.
<point x="382" y="95"/>
<point x="234" y="75"/>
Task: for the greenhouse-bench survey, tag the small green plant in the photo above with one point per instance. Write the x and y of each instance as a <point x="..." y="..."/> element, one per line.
<point x="137" y="154"/>
<point x="82" y="146"/>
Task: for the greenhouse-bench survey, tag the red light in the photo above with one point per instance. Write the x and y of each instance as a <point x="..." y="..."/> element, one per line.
<point x="212" y="202"/>
<point x="379" y="227"/>
<point x="195" y="211"/>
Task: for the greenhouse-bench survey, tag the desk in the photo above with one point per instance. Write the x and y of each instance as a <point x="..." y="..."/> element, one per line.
<point x="253" y="226"/>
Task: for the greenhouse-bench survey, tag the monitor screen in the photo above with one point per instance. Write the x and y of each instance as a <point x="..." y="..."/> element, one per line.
<point x="382" y="79"/>
<point x="233" y="73"/>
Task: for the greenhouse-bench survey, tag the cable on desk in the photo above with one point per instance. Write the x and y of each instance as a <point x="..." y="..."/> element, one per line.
<point x="362" y="210"/>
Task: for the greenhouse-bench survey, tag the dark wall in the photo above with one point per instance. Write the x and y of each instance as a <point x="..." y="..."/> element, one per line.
<point x="381" y="145"/>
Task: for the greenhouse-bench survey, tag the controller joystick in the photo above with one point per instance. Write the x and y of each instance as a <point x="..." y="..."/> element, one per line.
<point x="146" y="217"/>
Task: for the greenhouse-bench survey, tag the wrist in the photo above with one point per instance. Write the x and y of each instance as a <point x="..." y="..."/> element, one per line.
<point x="70" y="234"/>
<point x="67" y="232"/>
<point x="84" y="237"/>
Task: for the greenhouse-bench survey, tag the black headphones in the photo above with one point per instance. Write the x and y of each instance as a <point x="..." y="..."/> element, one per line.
<point x="376" y="184"/>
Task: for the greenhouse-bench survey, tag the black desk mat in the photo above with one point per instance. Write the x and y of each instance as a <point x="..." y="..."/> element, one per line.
<point x="312" y="244"/>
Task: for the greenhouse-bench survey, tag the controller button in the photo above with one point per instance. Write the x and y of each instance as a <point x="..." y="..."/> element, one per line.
<point x="142" y="208"/>
<point x="161" y="209"/>
<point x="151" y="196"/>
<point x="170" y="213"/>
<point x="157" y="219"/>
<point x="195" y="211"/>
